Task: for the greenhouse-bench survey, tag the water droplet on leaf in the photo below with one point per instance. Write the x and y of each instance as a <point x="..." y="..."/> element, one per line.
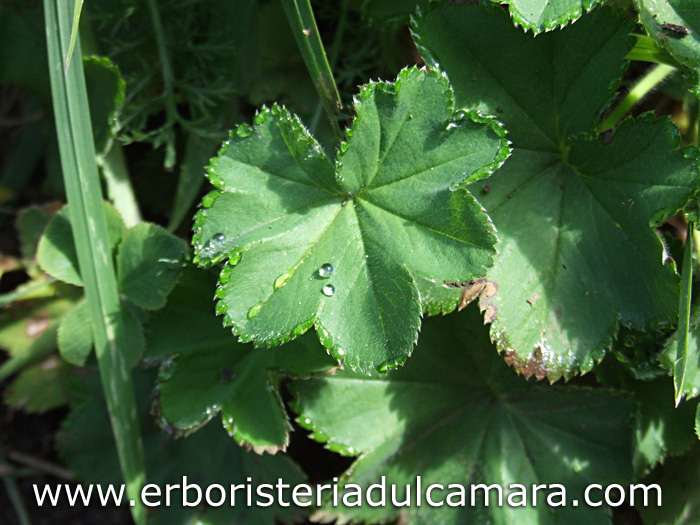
<point x="328" y="290"/>
<point x="326" y="271"/>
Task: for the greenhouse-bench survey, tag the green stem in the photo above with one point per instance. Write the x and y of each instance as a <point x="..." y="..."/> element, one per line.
<point x="652" y="79"/>
<point x="16" y="295"/>
<point x="119" y="187"/>
<point x="647" y="50"/>
<point x="335" y="53"/>
<point x="303" y="24"/>
<point x="168" y="82"/>
<point x="89" y="224"/>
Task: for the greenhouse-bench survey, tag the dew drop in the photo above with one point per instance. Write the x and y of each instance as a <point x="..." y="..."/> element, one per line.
<point x="255" y="310"/>
<point x="328" y="290"/>
<point x="326" y="271"/>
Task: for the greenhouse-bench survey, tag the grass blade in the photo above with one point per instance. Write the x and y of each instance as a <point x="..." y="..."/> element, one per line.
<point x="301" y="18"/>
<point x="74" y="30"/>
<point x="682" y="357"/>
<point x="89" y="224"/>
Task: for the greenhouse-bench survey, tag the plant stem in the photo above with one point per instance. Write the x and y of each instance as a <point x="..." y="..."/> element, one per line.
<point x="303" y="24"/>
<point x="647" y="50"/>
<point x="335" y="52"/>
<point x="80" y="174"/>
<point x="168" y="82"/>
<point x="119" y="187"/>
<point x="652" y="79"/>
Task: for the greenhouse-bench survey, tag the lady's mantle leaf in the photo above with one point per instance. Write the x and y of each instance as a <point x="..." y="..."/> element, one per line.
<point x="545" y="15"/>
<point x="573" y="213"/>
<point x="310" y="244"/>
<point x="456" y="414"/>
<point x="211" y="373"/>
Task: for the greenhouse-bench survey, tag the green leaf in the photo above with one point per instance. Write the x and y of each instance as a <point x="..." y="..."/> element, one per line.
<point x="242" y="383"/>
<point x="39" y="388"/>
<point x="187" y="322"/>
<point x="31" y="223"/>
<point x="456" y="414"/>
<point x="75" y="335"/>
<point x="335" y="248"/>
<point x="661" y="429"/>
<point x="675" y="25"/>
<point x="28" y="329"/>
<point x="75" y="341"/>
<point x="149" y="264"/>
<point x="212" y="373"/>
<point x="546" y="15"/>
<point x="577" y="254"/>
<point x="206" y="458"/>
<point x="56" y="253"/>
<point x="678" y="480"/>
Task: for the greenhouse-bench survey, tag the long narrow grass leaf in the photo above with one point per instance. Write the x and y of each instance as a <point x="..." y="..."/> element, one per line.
<point x="74" y="30"/>
<point x="303" y="24"/>
<point x="682" y="351"/>
<point x="89" y="225"/>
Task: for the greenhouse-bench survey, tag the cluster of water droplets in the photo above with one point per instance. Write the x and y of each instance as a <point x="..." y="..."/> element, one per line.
<point x="325" y="272"/>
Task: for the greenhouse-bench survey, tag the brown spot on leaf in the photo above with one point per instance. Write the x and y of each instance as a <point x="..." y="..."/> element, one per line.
<point x="532" y="300"/>
<point x="533" y="365"/>
<point x="471" y="292"/>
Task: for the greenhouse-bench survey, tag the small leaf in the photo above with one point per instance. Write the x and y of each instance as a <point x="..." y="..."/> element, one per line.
<point x="577" y="254"/>
<point x="455" y="414"/>
<point x="546" y="15"/>
<point x="56" y="253"/>
<point x="31" y="223"/>
<point x="75" y="335"/>
<point x="39" y="388"/>
<point x="75" y="342"/>
<point x="211" y="373"/>
<point x="387" y="209"/>
<point x="149" y="264"/>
